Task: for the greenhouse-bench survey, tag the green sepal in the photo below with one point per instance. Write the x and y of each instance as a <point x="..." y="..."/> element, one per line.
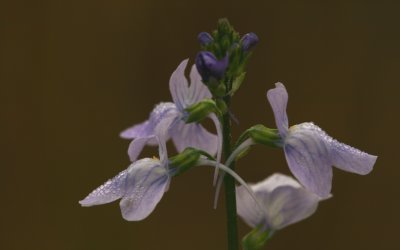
<point x="217" y="88"/>
<point x="187" y="159"/>
<point x="256" y="239"/>
<point x="262" y="135"/>
<point x="237" y="83"/>
<point x="222" y="105"/>
<point x="198" y="111"/>
<point x="242" y="154"/>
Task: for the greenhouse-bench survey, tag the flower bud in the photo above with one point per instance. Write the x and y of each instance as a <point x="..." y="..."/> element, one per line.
<point x="209" y="66"/>
<point x="256" y="239"/>
<point x="184" y="161"/>
<point x="249" y="41"/>
<point x="204" y="38"/>
<point x="262" y="135"/>
<point x="198" y="111"/>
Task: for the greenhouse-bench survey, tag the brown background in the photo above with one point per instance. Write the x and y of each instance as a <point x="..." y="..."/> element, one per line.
<point x="73" y="74"/>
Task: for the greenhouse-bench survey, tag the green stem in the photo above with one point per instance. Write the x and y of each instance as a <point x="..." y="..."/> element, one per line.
<point x="229" y="182"/>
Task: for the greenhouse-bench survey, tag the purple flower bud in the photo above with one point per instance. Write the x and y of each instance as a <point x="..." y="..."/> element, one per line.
<point x="249" y="41"/>
<point x="204" y="38"/>
<point x="209" y="66"/>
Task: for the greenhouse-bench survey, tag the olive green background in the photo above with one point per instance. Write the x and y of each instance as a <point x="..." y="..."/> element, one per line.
<point x="73" y="74"/>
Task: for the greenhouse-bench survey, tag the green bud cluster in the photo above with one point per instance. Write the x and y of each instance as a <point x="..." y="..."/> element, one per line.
<point x="226" y="42"/>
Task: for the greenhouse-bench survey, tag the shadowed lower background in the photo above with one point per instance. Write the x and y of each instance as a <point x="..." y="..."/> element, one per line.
<point x="73" y="74"/>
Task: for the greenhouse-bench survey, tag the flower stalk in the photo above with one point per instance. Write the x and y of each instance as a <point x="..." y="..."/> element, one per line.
<point x="229" y="182"/>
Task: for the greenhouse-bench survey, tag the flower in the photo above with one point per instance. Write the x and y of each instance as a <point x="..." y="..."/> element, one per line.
<point x="280" y="201"/>
<point x="310" y="152"/>
<point x="172" y="114"/>
<point x="140" y="187"/>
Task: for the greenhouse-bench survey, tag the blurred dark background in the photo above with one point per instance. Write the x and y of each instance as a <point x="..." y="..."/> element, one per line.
<point x="73" y="74"/>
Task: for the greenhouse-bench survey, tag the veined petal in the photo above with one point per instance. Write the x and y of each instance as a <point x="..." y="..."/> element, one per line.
<point x="193" y="135"/>
<point x="178" y="86"/>
<point x="146" y="129"/>
<point x="278" y="98"/>
<point x="308" y="157"/>
<point x="146" y="182"/>
<point x="110" y="191"/>
<point x="311" y="152"/>
<point x="288" y="205"/>
<point x="350" y="159"/>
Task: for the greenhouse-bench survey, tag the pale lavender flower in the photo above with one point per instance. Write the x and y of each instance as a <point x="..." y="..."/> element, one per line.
<point x="183" y="135"/>
<point x="140" y="187"/>
<point x="310" y="152"/>
<point x="280" y="201"/>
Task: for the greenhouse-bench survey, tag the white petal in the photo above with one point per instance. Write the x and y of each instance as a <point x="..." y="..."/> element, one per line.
<point x="274" y="181"/>
<point x="197" y="90"/>
<point x="110" y="191"/>
<point x="178" y="86"/>
<point x="193" y="135"/>
<point x="283" y="199"/>
<point x="278" y="98"/>
<point x="161" y="120"/>
<point x="308" y="157"/>
<point x="247" y="208"/>
<point x="146" y="129"/>
<point x="145" y="185"/>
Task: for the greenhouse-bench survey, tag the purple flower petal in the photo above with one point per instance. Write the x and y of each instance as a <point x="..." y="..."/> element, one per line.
<point x="308" y="158"/>
<point x="278" y="98"/>
<point x="141" y="187"/>
<point x="161" y="118"/>
<point x="146" y="129"/>
<point x="311" y="152"/>
<point x="110" y="191"/>
<point x="136" y="146"/>
<point x="145" y="185"/>
<point x="193" y="135"/>
<point x="351" y="159"/>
